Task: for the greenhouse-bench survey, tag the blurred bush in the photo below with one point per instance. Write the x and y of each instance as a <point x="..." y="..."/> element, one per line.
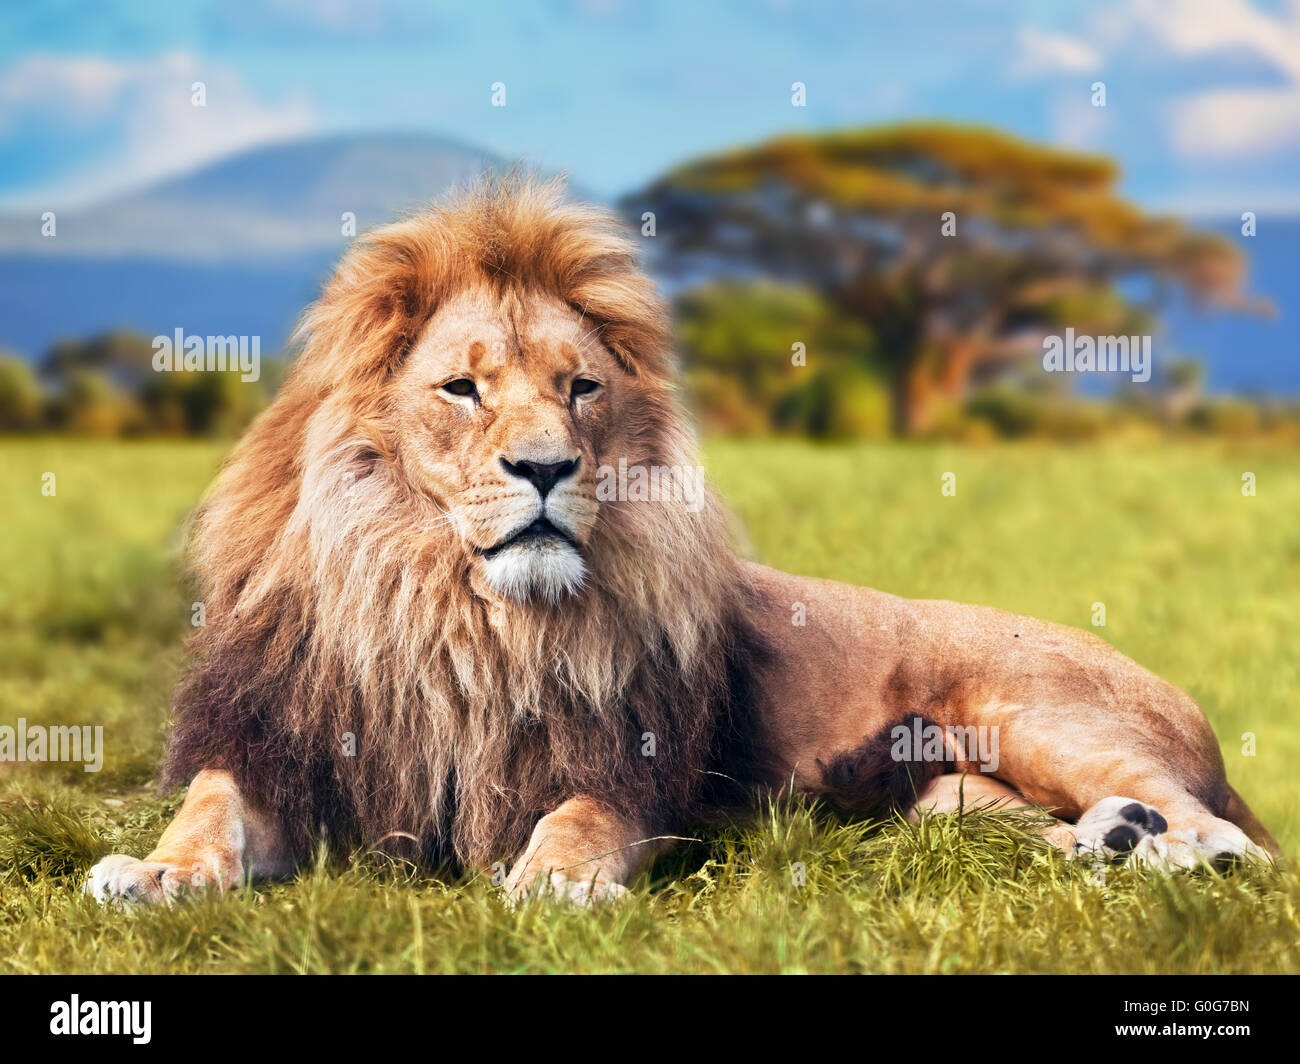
<point x="88" y="403"/>
<point x="1226" y="417"/>
<point x="763" y="357"/>
<point x="743" y="374"/>
<point x="1014" y="412"/>
<point x="22" y="402"/>
<point x="106" y="385"/>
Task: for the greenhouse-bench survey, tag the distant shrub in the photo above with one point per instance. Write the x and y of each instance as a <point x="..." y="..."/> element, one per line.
<point x="107" y="385"/>
<point x="89" y="404"/>
<point x="22" y="402"/>
<point x="1015" y="413"/>
<point x="745" y="374"/>
<point x="200" y="403"/>
<point x="1225" y="417"/>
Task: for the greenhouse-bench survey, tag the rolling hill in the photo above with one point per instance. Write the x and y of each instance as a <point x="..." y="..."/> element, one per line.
<point x="237" y="247"/>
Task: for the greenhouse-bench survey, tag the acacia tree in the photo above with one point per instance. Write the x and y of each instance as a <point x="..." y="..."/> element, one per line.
<point x="960" y="248"/>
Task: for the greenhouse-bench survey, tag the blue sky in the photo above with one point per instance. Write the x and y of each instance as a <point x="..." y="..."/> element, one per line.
<point x="1203" y="96"/>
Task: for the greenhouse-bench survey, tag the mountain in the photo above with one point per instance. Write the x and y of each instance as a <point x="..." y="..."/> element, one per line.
<point x="280" y="201"/>
<point x="238" y="247"/>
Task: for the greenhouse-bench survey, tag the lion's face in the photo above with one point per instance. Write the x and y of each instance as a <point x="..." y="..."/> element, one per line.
<point x="504" y="408"/>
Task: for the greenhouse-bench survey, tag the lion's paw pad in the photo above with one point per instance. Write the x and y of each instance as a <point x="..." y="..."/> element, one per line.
<point x="1115" y="826"/>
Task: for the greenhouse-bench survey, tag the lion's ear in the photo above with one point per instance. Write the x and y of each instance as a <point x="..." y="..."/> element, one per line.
<point x="372" y="309"/>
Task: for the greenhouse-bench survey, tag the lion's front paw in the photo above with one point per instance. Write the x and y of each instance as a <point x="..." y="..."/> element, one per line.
<point x="119" y="878"/>
<point x="572" y="890"/>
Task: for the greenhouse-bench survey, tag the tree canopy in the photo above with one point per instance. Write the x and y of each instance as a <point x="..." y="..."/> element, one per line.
<point x="959" y="247"/>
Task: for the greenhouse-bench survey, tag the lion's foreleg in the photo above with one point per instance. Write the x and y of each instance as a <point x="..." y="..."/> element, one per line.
<point x="582" y="852"/>
<point x="217" y="839"/>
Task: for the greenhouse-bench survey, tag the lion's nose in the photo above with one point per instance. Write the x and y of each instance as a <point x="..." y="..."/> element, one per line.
<point x="541" y="475"/>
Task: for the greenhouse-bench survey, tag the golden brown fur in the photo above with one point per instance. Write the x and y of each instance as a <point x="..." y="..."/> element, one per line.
<point x="427" y="631"/>
<point x="339" y="600"/>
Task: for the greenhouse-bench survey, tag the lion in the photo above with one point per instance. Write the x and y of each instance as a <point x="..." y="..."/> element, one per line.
<point x="436" y="625"/>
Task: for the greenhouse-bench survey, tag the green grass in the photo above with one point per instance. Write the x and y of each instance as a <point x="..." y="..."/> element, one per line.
<point x="1198" y="583"/>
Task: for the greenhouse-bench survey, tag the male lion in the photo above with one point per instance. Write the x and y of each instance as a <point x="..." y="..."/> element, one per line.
<point x="429" y="630"/>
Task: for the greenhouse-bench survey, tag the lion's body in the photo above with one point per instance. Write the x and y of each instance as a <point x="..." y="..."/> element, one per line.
<point x="1058" y="698"/>
<point x="428" y="630"/>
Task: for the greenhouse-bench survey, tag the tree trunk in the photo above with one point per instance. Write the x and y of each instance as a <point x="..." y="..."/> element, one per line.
<point x="912" y="393"/>
<point x="920" y="381"/>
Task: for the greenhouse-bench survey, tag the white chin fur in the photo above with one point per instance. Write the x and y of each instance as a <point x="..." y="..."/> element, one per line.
<point x="548" y="569"/>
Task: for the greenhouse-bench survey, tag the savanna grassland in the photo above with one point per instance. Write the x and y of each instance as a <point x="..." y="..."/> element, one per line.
<point x="1199" y="583"/>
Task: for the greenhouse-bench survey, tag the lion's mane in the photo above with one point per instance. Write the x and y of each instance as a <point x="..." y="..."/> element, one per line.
<point x="348" y="676"/>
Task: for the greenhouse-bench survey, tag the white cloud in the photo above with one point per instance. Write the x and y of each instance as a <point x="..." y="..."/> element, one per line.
<point x="81" y="88"/>
<point x="1230" y="121"/>
<point x="1234" y="122"/>
<point x="1193" y="27"/>
<point x="1053" y="53"/>
<point x="146" y="107"/>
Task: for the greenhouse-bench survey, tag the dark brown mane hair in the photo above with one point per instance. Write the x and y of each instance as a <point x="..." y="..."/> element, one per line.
<point x="349" y="677"/>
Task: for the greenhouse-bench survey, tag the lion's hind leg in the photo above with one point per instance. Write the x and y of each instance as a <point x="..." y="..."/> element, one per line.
<point x="1195" y="838"/>
<point x="1165" y="828"/>
<point x="1239" y="813"/>
<point x="1114" y="828"/>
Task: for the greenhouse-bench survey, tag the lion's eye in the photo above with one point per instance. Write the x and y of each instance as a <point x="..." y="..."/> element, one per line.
<point x="462" y="386"/>
<point x="584" y="386"/>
